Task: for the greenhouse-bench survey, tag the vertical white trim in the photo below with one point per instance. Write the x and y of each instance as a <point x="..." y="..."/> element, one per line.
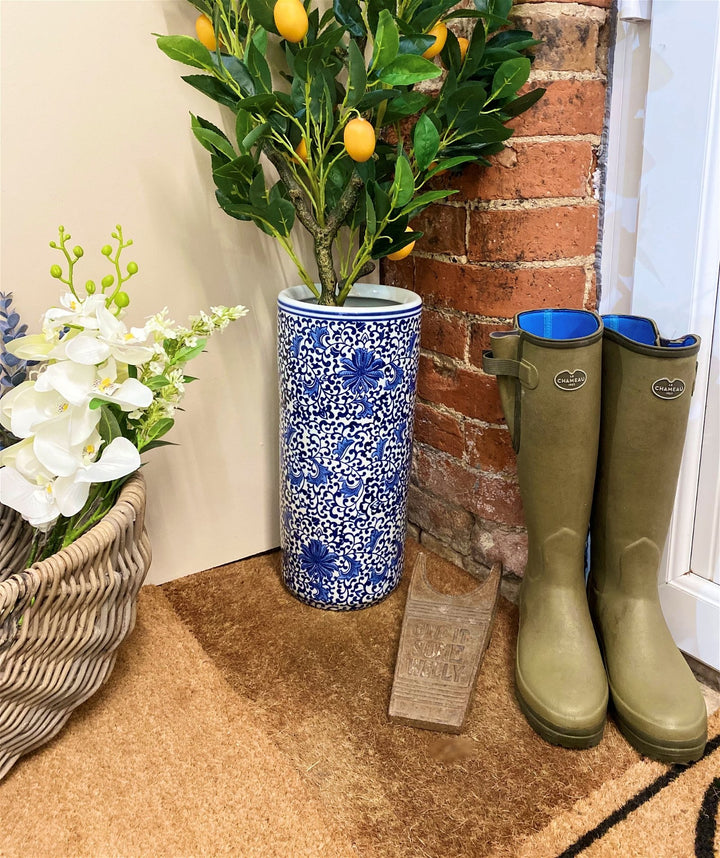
<point x="677" y="251"/>
<point x="623" y="166"/>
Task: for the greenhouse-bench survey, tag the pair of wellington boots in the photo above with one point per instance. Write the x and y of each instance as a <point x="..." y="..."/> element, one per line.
<point x="597" y="410"/>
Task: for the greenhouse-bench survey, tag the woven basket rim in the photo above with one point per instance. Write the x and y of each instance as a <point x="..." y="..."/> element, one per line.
<point x="129" y="507"/>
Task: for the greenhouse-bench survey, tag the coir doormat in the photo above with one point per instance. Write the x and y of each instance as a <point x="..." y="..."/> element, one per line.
<point x="322" y="682"/>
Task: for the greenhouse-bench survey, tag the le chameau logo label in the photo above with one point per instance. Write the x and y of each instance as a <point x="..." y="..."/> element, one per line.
<point x="570" y="380"/>
<point x="663" y="388"/>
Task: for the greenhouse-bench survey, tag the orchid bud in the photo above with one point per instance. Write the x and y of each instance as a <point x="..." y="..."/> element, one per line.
<point x="78" y="251"/>
<point x="106" y="250"/>
<point x="107" y="280"/>
<point x="55" y="271"/>
<point x="122" y="299"/>
<point x="90" y="287"/>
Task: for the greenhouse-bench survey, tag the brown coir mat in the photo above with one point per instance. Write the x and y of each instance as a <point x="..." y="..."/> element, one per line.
<point x="320" y="683"/>
<point x="265" y="733"/>
<point x="166" y="760"/>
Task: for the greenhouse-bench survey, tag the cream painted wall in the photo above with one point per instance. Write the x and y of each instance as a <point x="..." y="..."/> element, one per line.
<point x="95" y="131"/>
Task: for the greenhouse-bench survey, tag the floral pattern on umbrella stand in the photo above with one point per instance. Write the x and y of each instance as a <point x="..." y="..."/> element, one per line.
<point x="346" y="416"/>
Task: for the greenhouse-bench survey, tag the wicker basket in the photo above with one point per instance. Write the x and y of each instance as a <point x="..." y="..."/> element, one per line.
<point x="62" y="620"/>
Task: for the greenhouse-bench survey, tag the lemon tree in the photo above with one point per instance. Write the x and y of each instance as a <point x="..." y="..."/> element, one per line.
<point x="374" y="98"/>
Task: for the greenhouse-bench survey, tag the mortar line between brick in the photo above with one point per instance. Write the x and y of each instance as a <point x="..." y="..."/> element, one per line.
<point x="541" y="75"/>
<point x="532" y="203"/>
<point x="593" y="139"/>
<point x="565" y="262"/>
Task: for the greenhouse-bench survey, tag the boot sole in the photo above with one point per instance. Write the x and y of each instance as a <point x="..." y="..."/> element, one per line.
<point x="669" y="752"/>
<point x="575" y="739"/>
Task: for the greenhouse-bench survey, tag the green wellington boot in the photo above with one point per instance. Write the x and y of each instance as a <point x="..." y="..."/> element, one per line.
<point x="549" y="376"/>
<point x="646" y="388"/>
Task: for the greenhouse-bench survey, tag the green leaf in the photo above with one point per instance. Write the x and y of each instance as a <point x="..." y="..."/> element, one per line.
<point x="258" y="193"/>
<point x="239" y="72"/>
<point x="425" y="199"/>
<point x="281" y="214"/>
<point x="261" y="103"/>
<point x="189" y="352"/>
<point x="239" y="170"/>
<point x="494" y="21"/>
<point x="511" y="75"/>
<point x="375" y="97"/>
<point x="405" y="104"/>
<point x="262" y="12"/>
<point x="244" y="124"/>
<point x="516" y="39"/>
<point x="348" y="13"/>
<point x="449" y="163"/>
<point x="158" y="429"/>
<point x="464" y="105"/>
<point x="108" y="426"/>
<point x="153" y="444"/>
<point x="523" y="102"/>
<point x="429" y="12"/>
<point x="260" y="39"/>
<point x="211" y="137"/>
<point x="370" y="216"/>
<point x="374" y="7"/>
<point x="213" y="88"/>
<point x="239" y="211"/>
<point x="404" y="183"/>
<point x="381" y="200"/>
<point x="475" y="51"/>
<point x="426" y="141"/>
<point x="407" y="69"/>
<point x="357" y="76"/>
<point x="186" y="50"/>
<point x="252" y="138"/>
<point x="387" y="41"/>
<point x="258" y="68"/>
<point x="157" y="382"/>
<point x="450" y="54"/>
<point x="416" y="43"/>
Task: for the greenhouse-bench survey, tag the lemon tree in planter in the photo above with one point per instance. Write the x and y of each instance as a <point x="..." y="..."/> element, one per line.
<point x="343" y="130"/>
<point x="353" y="141"/>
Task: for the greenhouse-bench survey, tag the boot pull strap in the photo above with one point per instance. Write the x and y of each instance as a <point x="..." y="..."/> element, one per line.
<point x="520" y="369"/>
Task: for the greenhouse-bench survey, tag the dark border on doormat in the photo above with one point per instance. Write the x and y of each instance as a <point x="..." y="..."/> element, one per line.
<point x="705" y="830"/>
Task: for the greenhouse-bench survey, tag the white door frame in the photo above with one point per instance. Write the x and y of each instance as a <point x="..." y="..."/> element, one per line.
<point x="677" y="244"/>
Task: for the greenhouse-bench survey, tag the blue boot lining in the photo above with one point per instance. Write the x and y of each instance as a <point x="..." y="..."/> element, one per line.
<point x="558" y="324"/>
<point x="642" y="330"/>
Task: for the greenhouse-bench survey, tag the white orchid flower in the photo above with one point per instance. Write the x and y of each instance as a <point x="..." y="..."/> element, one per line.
<point x="32" y="347"/>
<point x="58" y="452"/>
<point x="118" y="459"/>
<point x="27" y="410"/>
<point x="40" y="499"/>
<point x="34" y="500"/>
<point x="110" y="339"/>
<point x="22" y="458"/>
<point x="79" y="383"/>
<point x="74" y="312"/>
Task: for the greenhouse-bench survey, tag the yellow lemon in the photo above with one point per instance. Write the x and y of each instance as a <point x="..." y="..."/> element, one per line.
<point x="359" y="139"/>
<point x="301" y="150"/>
<point x="291" y="20"/>
<point x="463" y="42"/>
<point x="205" y="32"/>
<point x="440" y="33"/>
<point x="404" y="251"/>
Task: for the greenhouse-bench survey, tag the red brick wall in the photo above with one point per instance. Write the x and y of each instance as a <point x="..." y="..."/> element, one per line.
<point x="520" y="234"/>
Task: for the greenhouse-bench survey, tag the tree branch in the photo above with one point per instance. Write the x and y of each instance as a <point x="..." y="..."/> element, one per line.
<point x="295" y="191"/>
<point x="344" y="206"/>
